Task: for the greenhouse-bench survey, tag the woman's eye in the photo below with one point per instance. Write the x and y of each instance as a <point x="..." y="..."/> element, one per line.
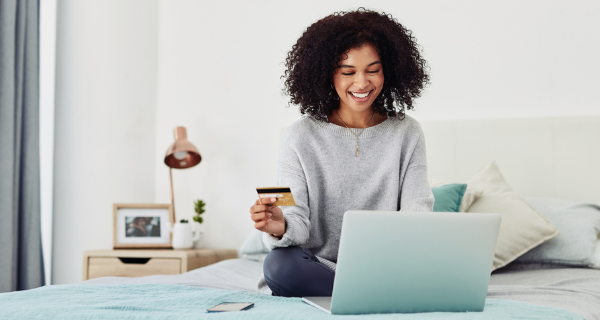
<point x="351" y="73"/>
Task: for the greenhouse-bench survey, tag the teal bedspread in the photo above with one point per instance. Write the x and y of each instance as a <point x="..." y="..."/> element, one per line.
<point x="166" y="301"/>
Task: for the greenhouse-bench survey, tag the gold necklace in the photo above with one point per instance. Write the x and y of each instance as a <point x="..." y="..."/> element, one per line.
<point x="354" y="134"/>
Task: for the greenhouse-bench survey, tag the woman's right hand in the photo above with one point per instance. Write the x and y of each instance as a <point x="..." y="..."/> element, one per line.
<point x="268" y="218"/>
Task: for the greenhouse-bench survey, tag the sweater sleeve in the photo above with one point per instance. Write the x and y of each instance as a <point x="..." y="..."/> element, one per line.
<point x="290" y="174"/>
<point x="416" y="194"/>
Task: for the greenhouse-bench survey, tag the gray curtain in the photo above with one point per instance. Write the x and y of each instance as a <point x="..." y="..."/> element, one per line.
<point x="21" y="263"/>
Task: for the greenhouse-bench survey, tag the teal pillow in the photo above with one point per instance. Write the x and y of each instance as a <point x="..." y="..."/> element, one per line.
<point x="448" y="197"/>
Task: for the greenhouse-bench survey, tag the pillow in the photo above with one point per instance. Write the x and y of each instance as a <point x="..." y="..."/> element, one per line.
<point x="448" y="197"/>
<point x="469" y="197"/>
<point x="254" y="248"/>
<point x="579" y="226"/>
<point x="516" y="265"/>
<point x="522" y="227"/>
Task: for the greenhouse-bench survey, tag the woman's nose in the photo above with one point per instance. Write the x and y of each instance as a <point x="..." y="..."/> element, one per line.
<point x="361" y="81"/>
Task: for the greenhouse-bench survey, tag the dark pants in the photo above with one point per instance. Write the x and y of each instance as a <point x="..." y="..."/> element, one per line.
<point x="296" y="272"/>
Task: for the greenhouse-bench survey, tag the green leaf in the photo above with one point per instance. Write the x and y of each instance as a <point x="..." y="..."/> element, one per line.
<point x="199" y="206"/>
<point x="199" y="209"/>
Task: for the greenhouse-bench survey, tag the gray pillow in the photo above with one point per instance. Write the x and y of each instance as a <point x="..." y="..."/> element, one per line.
<point x="579" y="226"/>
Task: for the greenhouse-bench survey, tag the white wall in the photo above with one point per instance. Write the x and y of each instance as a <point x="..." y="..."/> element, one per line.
<point x="509" y="59"/>
<point x="220" y="63"/>
<point x="217" y="67"/>
<point x="105" y="118"/>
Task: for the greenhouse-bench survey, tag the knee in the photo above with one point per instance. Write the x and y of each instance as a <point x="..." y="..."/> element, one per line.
<point x="282" y="268"/>
<point x="296" y="272"/>
<point x="287" y="264"/>
<point x="281" y="263"/>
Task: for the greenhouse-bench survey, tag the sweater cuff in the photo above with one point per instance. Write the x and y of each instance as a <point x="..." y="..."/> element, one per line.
<point x="273" y="242"/>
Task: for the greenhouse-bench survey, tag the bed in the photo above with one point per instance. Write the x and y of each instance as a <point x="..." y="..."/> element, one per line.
<point x="550" y="166"/>
<point x="554" y="293"/>
<point x="573" y="289"/>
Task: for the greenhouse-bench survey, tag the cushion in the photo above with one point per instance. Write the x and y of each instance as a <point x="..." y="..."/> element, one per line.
<point x="471" y="194"/>
<point x="579" y="226"/>
<point x="522" y="227"/>
<point x="448" y="198"/>
<point x="254" y="248"/>
<point x="516" y="265"/>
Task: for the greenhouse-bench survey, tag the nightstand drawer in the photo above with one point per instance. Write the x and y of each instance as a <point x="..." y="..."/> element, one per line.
<point x="139" y="263"/>
<point x="132" y="267"/>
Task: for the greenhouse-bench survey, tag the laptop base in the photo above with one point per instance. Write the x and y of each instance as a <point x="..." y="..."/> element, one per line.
<point x="323" y="303"/>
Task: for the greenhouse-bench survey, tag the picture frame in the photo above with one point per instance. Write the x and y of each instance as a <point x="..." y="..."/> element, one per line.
<point x="142" y="225"/>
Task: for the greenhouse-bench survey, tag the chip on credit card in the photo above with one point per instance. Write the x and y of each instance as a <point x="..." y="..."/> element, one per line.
<point x="282" y="194"/>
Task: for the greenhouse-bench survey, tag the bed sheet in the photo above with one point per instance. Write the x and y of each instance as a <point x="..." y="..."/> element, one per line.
<point x="573" y="289"/>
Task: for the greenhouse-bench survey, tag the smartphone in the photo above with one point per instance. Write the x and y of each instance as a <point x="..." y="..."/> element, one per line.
<point x="231" y="306"/>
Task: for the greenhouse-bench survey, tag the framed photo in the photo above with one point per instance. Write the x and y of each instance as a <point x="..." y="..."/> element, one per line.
<point x="142" y="225"/>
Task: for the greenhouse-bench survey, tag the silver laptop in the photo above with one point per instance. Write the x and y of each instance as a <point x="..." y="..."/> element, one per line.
<point x="404" y="262"/>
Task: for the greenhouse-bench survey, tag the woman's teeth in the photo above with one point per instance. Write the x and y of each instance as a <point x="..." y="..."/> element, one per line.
<point x="360" y="95"/>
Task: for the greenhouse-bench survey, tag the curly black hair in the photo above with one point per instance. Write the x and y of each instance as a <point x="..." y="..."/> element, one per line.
<point x="313" y="61"/>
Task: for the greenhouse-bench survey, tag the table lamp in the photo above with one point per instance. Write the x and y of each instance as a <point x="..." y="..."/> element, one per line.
<point x="181" y="155"/>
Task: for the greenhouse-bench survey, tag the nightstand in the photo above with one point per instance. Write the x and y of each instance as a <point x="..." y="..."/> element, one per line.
<point x="141" y="262"/>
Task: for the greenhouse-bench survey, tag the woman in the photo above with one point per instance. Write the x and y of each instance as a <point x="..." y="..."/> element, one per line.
<point x="352" y="74"/>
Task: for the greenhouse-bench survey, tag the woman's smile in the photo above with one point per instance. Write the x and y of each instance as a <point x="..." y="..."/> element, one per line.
<point x="361" y="97"/>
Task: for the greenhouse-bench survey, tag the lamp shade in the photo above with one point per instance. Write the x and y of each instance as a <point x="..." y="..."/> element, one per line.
<point x="182" y="153"/>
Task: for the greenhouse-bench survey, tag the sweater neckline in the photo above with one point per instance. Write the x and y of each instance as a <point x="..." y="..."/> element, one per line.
<point x="366" y="133"/>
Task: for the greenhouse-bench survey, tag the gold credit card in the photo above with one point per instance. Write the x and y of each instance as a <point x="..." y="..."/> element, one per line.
<point x="283" y="195"/>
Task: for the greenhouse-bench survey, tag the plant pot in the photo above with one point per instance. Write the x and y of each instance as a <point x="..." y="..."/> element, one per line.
<point x="183" y="236"/>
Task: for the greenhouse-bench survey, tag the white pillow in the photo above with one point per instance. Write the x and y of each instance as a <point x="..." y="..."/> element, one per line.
<point x="522" y="227"/>
<point x="471" y="194"/>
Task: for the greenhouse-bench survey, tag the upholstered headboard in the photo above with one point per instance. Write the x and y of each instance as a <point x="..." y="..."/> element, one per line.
<point x="551" y="157"/>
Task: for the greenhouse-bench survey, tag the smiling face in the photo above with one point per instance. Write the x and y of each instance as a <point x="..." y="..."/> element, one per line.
<point x="359" y="79"/>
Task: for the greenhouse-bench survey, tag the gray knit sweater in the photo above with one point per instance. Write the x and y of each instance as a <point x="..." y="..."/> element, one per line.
<point x="318" y="162"/>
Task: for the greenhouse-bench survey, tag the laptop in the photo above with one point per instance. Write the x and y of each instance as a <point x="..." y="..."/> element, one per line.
<point x="407" y="262"/>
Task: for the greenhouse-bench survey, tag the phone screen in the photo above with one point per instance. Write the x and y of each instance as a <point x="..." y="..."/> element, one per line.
<point x="231" y="306"/>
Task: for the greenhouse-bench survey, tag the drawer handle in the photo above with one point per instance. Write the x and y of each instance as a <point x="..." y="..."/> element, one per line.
<point x="134" y="260"/>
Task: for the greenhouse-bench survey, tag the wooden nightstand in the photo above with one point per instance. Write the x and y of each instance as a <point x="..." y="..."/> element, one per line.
<point x="140" y="262"/>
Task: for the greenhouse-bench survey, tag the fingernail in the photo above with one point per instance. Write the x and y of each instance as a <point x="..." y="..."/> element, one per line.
<point x="273" y="199"/>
